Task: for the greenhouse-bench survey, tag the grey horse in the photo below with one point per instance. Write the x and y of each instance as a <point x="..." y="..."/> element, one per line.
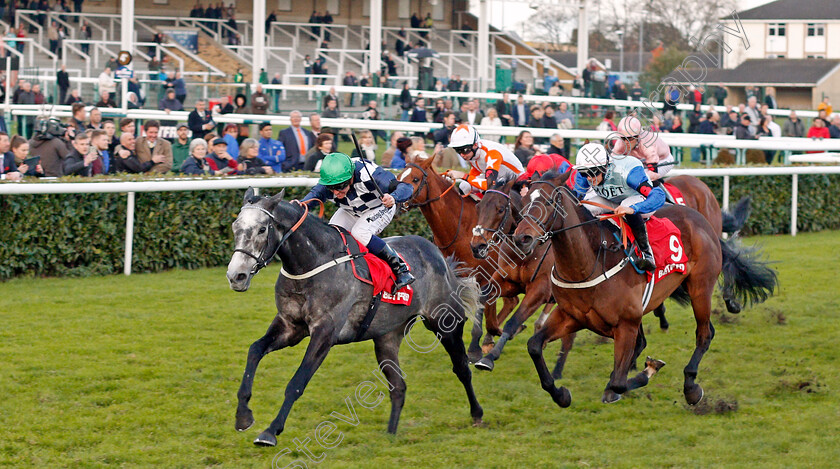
<point x="331" y="305"/>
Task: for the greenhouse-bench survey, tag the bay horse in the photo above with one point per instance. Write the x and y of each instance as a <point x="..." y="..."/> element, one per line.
<point x="451" y="218"/>
<point x="498" y="214"/>
<point x="317" y="295"/>
<point x="594" y="289"/>
<point x="515" y="273"/>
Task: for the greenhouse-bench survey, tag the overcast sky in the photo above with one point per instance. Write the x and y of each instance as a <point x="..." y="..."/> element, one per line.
<point x="509" y="15"/>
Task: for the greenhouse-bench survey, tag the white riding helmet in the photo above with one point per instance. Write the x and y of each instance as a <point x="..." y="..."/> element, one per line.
<point x="592" y="156"/>
<point x="463" y="136"/>
<point x="629" y="127"/>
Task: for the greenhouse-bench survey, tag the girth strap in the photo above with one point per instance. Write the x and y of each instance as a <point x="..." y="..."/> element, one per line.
<point x="317" y="270"/>
<point x="591" y="283"/>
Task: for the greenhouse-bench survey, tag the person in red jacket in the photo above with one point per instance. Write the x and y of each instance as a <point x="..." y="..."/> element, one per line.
<point x="818" y="130"/>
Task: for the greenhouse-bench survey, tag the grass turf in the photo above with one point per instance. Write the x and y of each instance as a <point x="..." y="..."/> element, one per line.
<point x="142" y="371"/>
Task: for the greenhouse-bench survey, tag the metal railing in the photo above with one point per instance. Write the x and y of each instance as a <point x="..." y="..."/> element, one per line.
<point x="191" y="184"/>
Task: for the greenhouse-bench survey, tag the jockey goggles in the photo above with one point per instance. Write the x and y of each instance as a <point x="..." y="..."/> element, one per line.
<point x="592" y="172"/>
<point x="463" y="150"/>
<point x="338" y="187"/>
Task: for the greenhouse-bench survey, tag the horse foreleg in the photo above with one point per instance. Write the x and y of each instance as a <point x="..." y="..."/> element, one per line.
<point x="559" y="324"/>
<point x="474" y="352"/>
<point x="625" y="334"/>
<point x="319" y="345"/>
<point x="568" y="342"/>
<point x="387" y="350"/>
<point x="533" y="299"/>
<point x="454" y="346"/>
<point x="278" y="336"/>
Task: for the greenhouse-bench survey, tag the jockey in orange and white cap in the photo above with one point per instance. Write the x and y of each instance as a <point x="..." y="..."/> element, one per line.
<point x="488" y="160"/>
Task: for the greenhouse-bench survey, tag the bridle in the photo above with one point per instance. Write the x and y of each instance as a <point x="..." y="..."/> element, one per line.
<point x="425" y="183"/>
<point x="267" y="254"/>
<point x="480" y="230"/>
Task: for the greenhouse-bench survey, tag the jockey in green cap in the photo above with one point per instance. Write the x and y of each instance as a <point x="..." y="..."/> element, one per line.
<point x="366" y="196"/>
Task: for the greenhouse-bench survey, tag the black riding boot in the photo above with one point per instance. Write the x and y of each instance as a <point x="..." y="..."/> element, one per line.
<point x="403" y="276"/>
<point x="637" y="224"/>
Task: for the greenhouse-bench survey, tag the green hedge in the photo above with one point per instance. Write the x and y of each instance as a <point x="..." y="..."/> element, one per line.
<point x="817" y="208"/>
<point x="84" y="234"/>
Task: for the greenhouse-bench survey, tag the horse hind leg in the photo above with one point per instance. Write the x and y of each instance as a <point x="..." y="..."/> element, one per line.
<point x="387" y="350"/>
<point x="319" y="345"/>
<point x="276" y="337"/>
<point x="454" y="346"/>
<point x="659" y="312"/>
<point x="701" y="303"/>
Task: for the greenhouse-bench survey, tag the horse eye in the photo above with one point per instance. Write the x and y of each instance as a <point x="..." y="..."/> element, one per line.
<point x="262" y="230"/>
<point x="501" y="210"/>
<point x="416" y="180"/>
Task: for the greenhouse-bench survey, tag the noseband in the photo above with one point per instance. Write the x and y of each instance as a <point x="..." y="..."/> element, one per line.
<point x="263" y="259"/>
<point x="479" y="230"/>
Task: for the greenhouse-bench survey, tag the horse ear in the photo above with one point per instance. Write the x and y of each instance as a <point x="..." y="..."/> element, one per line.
<point x="250" y="196"/>
<point x="278" y="197"/>
<point x="425" y="163"/>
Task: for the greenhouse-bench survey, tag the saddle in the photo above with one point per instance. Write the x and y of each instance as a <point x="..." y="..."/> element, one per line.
<point x="672" y="194"/>
<point x="666" y="244"/>
<point x="373" y="270"/>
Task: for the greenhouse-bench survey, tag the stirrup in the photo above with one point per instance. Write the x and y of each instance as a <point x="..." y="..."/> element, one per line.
<point x="407" y="279"/>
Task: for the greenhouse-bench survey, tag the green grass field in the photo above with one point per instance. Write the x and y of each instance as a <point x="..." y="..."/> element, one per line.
<point x="142" y="371"/>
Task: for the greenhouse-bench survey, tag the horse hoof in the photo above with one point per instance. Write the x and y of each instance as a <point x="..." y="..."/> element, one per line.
<point x="486" y="348"/>
<point x="557" y="374"/>
<point x="485" y="364"/>
<point x="266" y="439"/>
<point x="609" y="397"/>
<point x="732" y="306"/>
<point x="654" y="363"/>
<point x="474" y="356"/>
<point x="694" y="395"/>
<point x="478" y="423"/>
<point x="244" y="420"/>
<point x="663" y="326"/>
<point x="562" y="397"/>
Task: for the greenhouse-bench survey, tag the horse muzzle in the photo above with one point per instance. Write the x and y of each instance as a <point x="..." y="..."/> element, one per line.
<point x="479" y="250"/>
<point x="239" y="280"/>
<point x="525" y="242"/>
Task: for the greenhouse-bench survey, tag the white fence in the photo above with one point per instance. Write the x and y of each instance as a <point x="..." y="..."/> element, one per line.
<point x="131" y="188"/>
<point x="714" y="142"/>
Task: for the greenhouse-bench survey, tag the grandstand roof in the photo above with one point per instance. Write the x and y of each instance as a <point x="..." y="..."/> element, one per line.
<point x="781" y="72"/>
<point x="793" y="10"/>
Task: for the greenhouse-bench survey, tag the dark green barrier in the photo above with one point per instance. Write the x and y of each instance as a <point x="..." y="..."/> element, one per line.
<point x="817" y="208"/>
<point x="84" y="234"/>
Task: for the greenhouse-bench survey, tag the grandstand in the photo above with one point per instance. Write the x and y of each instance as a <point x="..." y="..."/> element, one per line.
<point x="344" y="44"/>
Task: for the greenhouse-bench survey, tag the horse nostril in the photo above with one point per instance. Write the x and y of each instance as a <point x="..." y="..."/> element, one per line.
<point x="524" y="240"/>
<point x="241" y="278"/>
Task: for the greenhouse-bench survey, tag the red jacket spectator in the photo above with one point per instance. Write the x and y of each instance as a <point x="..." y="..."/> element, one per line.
<point x="818" y="130"/>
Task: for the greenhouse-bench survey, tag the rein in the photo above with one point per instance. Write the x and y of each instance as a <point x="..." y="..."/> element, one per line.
<point x="424" y="182"/>
<point x="262" y="260"/>
<point x="548" y="234"/>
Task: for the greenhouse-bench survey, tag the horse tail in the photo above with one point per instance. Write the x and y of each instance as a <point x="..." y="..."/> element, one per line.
<point x="746" y="277"/>
<point x="465" y="287"/>
<point x="734" y="220"/>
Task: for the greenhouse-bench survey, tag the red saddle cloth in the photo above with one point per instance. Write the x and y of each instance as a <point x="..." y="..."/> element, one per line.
<point x="381" y="276"/>
<point x="675" y="193"/>
<point x="666" y="243"/>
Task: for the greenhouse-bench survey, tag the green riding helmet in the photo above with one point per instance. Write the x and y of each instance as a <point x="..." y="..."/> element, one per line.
<point x="335" y="169"/>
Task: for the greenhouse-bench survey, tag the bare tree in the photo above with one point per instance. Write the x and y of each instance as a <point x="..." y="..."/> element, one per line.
<point x="692" y="18"/>
<point x="550" y="24"/>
